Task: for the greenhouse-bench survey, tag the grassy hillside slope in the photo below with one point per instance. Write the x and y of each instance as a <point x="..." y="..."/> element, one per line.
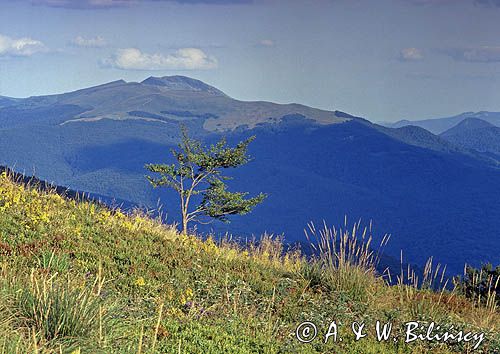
<point x="78" y="277"/>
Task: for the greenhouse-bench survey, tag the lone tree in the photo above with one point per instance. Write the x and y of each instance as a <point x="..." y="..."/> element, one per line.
<point x="198" y="172"/>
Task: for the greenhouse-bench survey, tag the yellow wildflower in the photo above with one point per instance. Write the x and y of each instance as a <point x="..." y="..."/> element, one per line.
<point x="140" y="281"/>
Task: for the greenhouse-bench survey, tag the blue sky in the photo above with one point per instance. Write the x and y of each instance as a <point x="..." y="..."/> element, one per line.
<point x="380" y="59"/>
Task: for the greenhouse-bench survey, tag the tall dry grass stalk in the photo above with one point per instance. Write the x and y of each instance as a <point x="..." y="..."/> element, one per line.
<point x="345" y="247"/>
<point x="157" y="327"/>
<point x="346" y="257"/>
<point x="428" y="292"/>
<point x="487" y="286"/>
<point x="433" y="276"/>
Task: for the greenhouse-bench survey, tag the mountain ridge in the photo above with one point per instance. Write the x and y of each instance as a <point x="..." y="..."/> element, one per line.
<point x="470" y="123"/>
<point x="150" y="99"/>
<point x="439" y="125"/>
<point x="314" y="164"/>
<point x="477" y="134"/>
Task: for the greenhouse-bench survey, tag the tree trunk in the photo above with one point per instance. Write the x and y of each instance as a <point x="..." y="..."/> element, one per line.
<point x="184" y="218"/>
<point x="184" y="211"/>
<point x="184" y="225"/>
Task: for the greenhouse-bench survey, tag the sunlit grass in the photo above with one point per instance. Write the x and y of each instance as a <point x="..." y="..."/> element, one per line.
<point x="76" y="275"/>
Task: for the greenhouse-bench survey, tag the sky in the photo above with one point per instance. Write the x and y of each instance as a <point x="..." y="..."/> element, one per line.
<point x="384" y="60"/>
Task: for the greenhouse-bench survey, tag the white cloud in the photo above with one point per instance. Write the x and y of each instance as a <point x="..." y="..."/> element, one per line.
<point x="96" y="42"/>
<point x="184" y="59"/>
<point x="267" y="43"/>
<point x="23" y="47"/>
<point x="411" y="54"/>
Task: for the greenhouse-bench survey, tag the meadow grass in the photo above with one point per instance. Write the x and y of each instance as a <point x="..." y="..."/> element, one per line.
<point x="78" y="277"/>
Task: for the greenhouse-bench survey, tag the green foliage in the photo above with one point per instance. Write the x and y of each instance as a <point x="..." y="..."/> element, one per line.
<point x="314" y="274"/>
<point x="214" y="337"/>
<point x="199" y="171"/>
<point x="218" y="202"/>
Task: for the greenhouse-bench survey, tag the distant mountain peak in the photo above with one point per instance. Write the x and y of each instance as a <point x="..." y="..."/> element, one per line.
<point x="440" y="125"/>
<point x="182" y="83"/>
<point x="397" y="124"/>
<point x="473" y="123"/>
<point x="477" y="134"/>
